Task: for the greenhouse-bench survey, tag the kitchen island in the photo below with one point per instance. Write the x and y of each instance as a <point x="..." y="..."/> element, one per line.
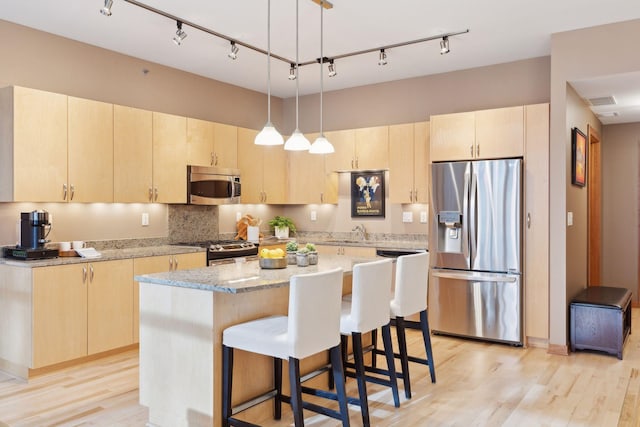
<point x="182" y="316"/>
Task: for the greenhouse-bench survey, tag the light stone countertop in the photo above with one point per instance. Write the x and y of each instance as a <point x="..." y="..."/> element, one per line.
<point x="107" y="255"/>
<point x="246" y="276"/>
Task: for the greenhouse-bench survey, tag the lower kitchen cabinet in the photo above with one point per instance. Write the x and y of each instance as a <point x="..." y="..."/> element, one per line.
<point x="363" y="251"/>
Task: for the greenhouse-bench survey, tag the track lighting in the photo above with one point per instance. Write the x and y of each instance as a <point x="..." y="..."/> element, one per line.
<point x="383" y="58"/>
<point x="444" y="45"/>
<point x="106" y="10"/>
<point x="332" y="69"/>
<point x="180" y="34"/>
<point x="292" y="72"/>
<point x="234" y="51"/>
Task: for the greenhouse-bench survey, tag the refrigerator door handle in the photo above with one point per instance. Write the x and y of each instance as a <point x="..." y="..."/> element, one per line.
<point x="465" y="216"/>
<point x="473" y="214"/>
<point x="475" y="277"/>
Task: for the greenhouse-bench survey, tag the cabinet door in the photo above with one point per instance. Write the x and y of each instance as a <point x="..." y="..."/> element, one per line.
<point x="225" y="148"/>
<point x="132" y="155"/>
<point x="110" y="305"/>
<point x="306" y="176"/>
<point x="401" y="163"/>
<point x="187" y="261"/>
<point x="39" y="145"/>
<point x="274" y="174"/>
<point x="372" y="147"/>
<point x="359" y="251"/>
<point x="90" y="146"/>
<point x="500" y="133"/>
<point x="452" y="137"/>
<point x="250" y="164"/>
<point x="421" y="162"/>
<point x="200" y="137"/>
<point x="169" y="158"/>
<point x="536" y="223"/>
<point x="343" y="159"/>
<point x="59" y="314"/>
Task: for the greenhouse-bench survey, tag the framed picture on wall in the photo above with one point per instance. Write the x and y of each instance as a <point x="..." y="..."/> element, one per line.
<point x="578" y="158"/>
<point x="367" y="193"/>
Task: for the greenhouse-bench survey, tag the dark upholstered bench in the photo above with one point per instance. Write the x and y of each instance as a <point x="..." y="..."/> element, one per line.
<point x="601" y="319"/>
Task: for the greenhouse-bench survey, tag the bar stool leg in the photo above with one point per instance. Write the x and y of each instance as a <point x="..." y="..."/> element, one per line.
<point x="277" y="380"/>
<point x="227" y="377"/>
<point x="424" y="323"/>
<point x="391" y="365"/>
<point x="404" y="358"/>
<point x="296" y="392"/>
<point x="374" y="344"/>
<point x="360" y="377"/>
<point x="338" y="375"/>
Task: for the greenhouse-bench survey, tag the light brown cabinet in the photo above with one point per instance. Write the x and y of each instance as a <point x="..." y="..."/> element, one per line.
<point x="486" y="134"/>
<point x="359" y="149"/>
<point x="409" y="163"/>
<point x="354" y="251"/>
<point x="33" y="143"/>
<point x="263" y="170"/>
<point x="309" y="180"/>
<point x="169" y="158"/>
<point x="212" y="144"/>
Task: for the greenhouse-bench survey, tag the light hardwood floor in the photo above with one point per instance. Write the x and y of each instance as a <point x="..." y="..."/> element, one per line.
<point x="478" y="384"/>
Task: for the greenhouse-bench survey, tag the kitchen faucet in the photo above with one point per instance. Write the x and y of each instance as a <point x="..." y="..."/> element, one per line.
<point x="362" y="232"/>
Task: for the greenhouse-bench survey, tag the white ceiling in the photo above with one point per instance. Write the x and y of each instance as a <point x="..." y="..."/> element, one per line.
<point x="500" y="31"/>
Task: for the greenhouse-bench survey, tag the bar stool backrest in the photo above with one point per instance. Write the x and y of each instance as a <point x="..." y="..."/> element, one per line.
<point x="370" y="295"/>
<point x="314" y="312"/>
<point x="412" y="282"/>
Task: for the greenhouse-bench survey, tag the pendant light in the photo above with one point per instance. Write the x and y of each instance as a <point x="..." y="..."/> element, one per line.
<point x="297" y="141"/>
<point x="321" y="145"/>
<point x="269" y="135"/>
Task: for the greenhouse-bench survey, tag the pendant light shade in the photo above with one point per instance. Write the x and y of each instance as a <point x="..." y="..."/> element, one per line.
<point x="321" y="146"/>
<point x="269" y="135"/>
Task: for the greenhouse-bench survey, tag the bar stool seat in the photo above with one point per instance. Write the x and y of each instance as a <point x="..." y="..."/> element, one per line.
<point x="311" y="326"/>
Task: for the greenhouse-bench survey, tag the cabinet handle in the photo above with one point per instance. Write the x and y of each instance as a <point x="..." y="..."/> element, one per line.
<point x="73" y="191"/>
<point x="91" y="273"/>
<point x="528" y="219"/>
<point x="175" y="263"/>
<point x="478" y="150"/>
<point x="216" y="159"/>
<point x="351" y="163"/>
<point x="265" y="196"/>
<point x="155" y="194"/>
<point x="321" y="197"/>
<point x="415" y="196"/>
<point x="212" y="159"/>
<point x="170" y="263"/>
<point x="84" y="274"/>
<point x="357" y="163"/>
<point x="150" y="194"/>
<point x="64" y="192"/>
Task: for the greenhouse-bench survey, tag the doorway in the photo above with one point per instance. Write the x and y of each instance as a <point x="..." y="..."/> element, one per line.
<point x="594" y="208"/>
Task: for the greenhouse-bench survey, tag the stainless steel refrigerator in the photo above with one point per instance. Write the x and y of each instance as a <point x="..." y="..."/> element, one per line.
<point x="475" y="241"/>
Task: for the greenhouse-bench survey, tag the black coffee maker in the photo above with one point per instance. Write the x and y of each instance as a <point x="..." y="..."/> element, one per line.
<point x="34" y="229"/>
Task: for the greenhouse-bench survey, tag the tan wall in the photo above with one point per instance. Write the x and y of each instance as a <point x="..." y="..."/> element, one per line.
<point x="579" y="54"/>
<point x="620" y="193"/>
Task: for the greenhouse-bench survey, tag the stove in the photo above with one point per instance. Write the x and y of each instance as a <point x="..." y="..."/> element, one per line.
<point x="220" y="251"/>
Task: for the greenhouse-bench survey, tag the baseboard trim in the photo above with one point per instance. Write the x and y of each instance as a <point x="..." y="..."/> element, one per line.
<point x="537" y="342"/>
<point x="559" y="350"/>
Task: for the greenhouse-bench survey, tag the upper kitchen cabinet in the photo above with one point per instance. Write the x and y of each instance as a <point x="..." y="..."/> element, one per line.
<point x="90" y="150"/>
<point x="33" y="143"/>
<point x="169" y="158"/>
<point x="263" y="170"/>
<point x="359" y="149"/>
<point x="409" y="163"/>
<point x="132" y="155"/>
<point x="212" y="144"/>
<point x="309" y="180"/>
<point x="486" y="134"/>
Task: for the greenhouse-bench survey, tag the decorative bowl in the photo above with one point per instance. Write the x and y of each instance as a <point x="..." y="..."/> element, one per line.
<point x="272" y="263"/>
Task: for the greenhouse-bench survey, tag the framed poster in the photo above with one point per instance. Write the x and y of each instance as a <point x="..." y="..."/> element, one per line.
<point x="578" y="158"/>
<point x="367" y="193"/>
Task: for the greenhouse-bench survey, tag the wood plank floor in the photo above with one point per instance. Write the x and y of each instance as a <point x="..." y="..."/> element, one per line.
<point x="479" y="384"/>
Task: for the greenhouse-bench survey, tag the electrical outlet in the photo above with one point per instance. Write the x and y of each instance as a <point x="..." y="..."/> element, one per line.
<point x="569" y="218"/>
<point x="407" y="216"/>
<point x="423" y="217"/>
<point x="238" y="216"/>
<point x="145" y="219"/>
<point x="314" y="215"/>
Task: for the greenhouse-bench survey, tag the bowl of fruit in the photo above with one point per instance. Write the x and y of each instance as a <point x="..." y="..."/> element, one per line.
<point x="272" y="258"/>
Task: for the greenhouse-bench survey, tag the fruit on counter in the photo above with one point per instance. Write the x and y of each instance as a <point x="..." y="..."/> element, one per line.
<point x="272" y="253"/>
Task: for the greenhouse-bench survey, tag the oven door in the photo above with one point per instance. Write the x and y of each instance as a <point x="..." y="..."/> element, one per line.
<point x="213" y="186"/>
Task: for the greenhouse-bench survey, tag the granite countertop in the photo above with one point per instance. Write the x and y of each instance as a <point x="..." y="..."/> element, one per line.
<point x="107" y="255"/>
<point x="381" y="244"/>
<point x="245" y="276"/>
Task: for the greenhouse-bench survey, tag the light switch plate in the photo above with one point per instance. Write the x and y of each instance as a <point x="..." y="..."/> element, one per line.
<point x="314" y="215"/>
<point x="238" y="216"/>
<point x="569" y="218"/>
<point x="407" y="216"/>
<point x="145" y="219"/>
<point x="423" y="217"/>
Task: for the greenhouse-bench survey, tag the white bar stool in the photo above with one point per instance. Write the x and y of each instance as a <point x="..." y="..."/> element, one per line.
<point x="366" y="310"/>
<point x="312" y="326"/>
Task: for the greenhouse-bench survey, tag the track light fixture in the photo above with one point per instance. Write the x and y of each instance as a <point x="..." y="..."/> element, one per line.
<point x="332" y="69"/>
<point x="180" y="34"/>
<point x="292" y="72"/>
<point x="444" y="45"/>
<point x="383" y="58"/>
<point x="106" y="10"/>
<point x="234" y="51"/>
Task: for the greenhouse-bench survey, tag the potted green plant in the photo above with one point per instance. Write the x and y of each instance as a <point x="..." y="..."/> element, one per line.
<point x="313" y="253"/>
<point x="302" y="257"/>
<point x="292" y="248"/>
<point x="281" y="226"/>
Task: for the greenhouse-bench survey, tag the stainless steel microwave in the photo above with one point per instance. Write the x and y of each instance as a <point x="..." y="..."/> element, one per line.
<point x="212" y="186"/>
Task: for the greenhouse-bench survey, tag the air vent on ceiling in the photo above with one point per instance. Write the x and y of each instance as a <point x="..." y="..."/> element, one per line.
<point x="603" y="100"/>
<point x="609" y="114"/>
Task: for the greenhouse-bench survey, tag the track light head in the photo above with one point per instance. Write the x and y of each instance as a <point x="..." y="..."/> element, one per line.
<point x="180" y="34"/>
<point x="383" y="58"/>
<point x="106" y="10"/>
<point x="444" y="45"/>
<point x="234" y="51"/>
<point x="292" y="72"/>
<point x="332" y="69"/>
